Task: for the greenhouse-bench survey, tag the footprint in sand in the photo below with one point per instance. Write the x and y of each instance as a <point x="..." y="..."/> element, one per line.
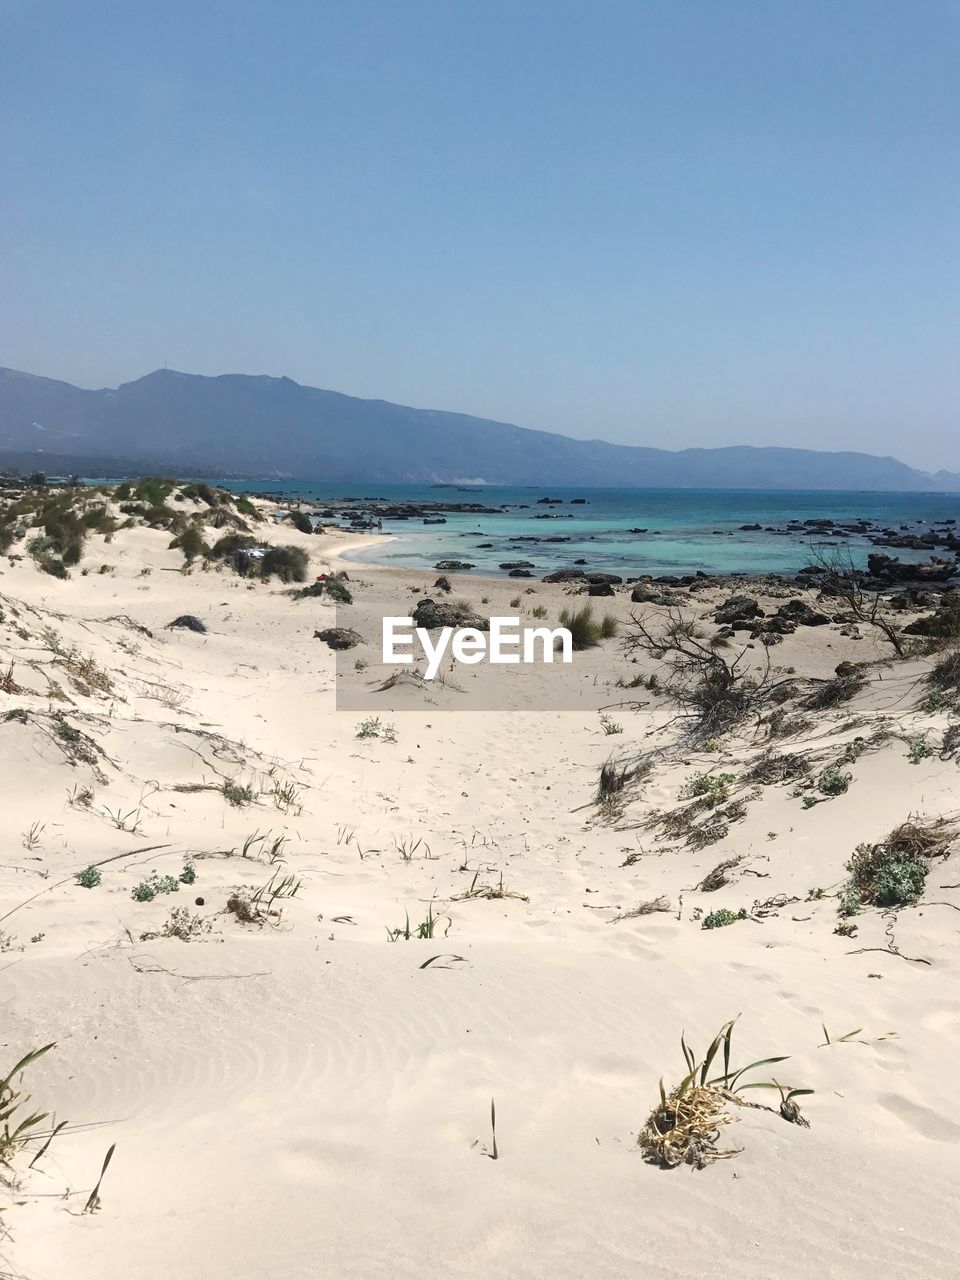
<point x="923" y="1120"/>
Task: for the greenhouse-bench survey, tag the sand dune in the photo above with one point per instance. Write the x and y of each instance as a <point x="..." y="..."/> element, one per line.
<point x="300" y="1097"/>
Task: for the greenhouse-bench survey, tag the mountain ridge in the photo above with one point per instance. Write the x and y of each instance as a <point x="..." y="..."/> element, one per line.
<point x="258" y="425"/>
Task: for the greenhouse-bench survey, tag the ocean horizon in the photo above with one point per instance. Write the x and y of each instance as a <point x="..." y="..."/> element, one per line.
<point x="630" y="531"/>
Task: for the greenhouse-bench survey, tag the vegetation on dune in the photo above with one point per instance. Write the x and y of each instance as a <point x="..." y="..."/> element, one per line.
<point x="586" y="632"/>
<point x="684" y="1127"/>
<point x="893" y="872"/>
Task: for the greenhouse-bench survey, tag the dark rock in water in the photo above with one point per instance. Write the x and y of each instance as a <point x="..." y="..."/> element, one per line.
<point x="613" y="579"/>
<point x="433" y="613"/>
<point x="737" y="609"/>
<point x="519" y="573"/>
<point x="189" y="623"/>
<point x="638" y="531"/>
<point x="484" y="546"/>
<point x="565" y="575"/>
<point x="549" y="502"/>
<point x="579" y="502"/>
<point x="750" y="528"/>
<point x="887" y="570"/>
<point x="802" y="614"/>
<point x="581" y="562"/>
<point x="443" y="584"/>
<point x="517" y="564"/>
<point x="434" y="519"/>
<point x="451" y="565"/>
<point x="339" y="637"/>
<point x="600" y="589"/>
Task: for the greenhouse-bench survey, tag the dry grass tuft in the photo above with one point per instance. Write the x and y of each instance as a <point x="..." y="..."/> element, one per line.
<point x="685" y="1126"/>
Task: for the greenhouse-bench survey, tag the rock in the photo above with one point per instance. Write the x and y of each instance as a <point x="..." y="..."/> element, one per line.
<point x="519" y="573"/>
<point x="433" y="613"/>
<point x="339" y="637"/>
<point x="943" y="624"/>
<point x="452" y="565"/>
<point x="737" y="609"/>
<point x="776" y="626"/>
<point x="565" y="575"/>
<point x="644" y="593"/>
<point x="517" y="564"/>
<point x="600" y="589"/>
<point x="799" y="612"/>
<point x="598" y="578"/>
<point x="189" y="623"/>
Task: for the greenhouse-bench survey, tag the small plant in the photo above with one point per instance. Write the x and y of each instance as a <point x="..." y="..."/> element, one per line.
<point x="16" y="1132"/>
<point x="31" y="837"/>
<point x="713" y="788"/>
<point x="185" y="925"/>
<point x="153" y="887"/>
<point x="80" y="797"/>
<point x="684" y="1127"/>
<point x="189" y="873"/>
<point x="277" y="888"/>
<point x="918" y="749"/>
<point x="408" y="847"/>
<point x="609" y="726"/>
<point x="93" y="1203"/>
<point x="236" y="793"/>
<point x="373" y="727"/>
<point x="360" y="664"/>
<point x="285" y="795"/>
<point x="426" y="928"/>
<point x="516" y="602"/>
<point x="89" y="878"/>
<point x="846" y="929"/>
<point x="893" y="872"/>
<point x="832" y="782"/>
<point x="539" y="611"/>
<point x="129" y="821"/>
<point x="494" y="1154"/>
<point x="721" y="917"/>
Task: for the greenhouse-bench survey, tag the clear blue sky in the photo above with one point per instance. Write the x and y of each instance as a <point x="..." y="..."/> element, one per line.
<point x="669" y="222"/>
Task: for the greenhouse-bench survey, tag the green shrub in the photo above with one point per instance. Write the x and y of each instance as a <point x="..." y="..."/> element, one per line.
<point x="153" y="490"/>
<point x="191" y="543"/>
<point x="893" y="872"/>
<point x="714" y="788"/>
<point x="584" y="631"/>
<point x="300" y="520"/>
<point x="289" y="564"/>
<point x="89" y="878"/>
<point x="723" y="916"/>
<point x="230" y="544"/>
<point x="153" y="886"/>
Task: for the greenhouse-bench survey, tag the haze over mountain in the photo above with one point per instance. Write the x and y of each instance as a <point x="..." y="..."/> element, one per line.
<point x="263" y="427"/>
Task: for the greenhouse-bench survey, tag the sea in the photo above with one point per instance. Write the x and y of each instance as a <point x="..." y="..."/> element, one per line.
<point x="626" y="531"/>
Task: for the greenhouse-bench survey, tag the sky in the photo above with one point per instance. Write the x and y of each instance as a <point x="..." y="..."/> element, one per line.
<point x="660" y="222"/>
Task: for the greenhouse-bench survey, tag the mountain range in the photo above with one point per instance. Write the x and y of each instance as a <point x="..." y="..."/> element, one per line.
<point x="257" y="427"/>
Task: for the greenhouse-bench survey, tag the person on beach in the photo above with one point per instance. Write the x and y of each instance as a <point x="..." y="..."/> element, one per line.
<point x="379" y="524"/>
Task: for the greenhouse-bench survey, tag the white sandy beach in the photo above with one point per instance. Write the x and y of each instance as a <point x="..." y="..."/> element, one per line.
<point x="299" y="1097"/>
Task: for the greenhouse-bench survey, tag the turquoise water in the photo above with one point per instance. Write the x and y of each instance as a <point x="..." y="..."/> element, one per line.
<point x="688" y="529"/>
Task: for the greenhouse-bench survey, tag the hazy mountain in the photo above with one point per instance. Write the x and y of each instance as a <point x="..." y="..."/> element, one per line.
<point x="257" y="427"/>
